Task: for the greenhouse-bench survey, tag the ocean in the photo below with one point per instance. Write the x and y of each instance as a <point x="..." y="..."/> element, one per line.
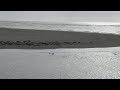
<point x="80" y="27"/>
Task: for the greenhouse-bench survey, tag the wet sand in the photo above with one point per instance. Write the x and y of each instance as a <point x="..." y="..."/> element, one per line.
<point x="92" y="63"/>
<point x="48" y="39"/>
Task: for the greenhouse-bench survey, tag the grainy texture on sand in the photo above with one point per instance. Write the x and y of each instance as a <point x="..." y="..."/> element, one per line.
<point x="92" y="63"/>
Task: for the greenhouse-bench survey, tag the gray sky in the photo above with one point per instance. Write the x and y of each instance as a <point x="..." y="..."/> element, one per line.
<point x="61" y="16"/>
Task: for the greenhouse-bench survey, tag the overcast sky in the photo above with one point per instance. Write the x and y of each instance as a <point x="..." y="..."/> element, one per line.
<point x="61" y="16"/>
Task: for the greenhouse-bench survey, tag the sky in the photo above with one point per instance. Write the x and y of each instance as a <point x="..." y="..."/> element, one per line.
<point x="61" y="16"/>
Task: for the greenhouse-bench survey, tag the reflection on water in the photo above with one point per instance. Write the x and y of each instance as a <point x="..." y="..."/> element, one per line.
<point x="62" y="27"/>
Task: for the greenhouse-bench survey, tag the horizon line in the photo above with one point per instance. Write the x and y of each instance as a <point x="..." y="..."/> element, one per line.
<point x="77" y="22"/>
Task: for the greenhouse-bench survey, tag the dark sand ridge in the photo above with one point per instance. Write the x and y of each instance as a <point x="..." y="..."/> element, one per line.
<point x="48" y="39"/>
